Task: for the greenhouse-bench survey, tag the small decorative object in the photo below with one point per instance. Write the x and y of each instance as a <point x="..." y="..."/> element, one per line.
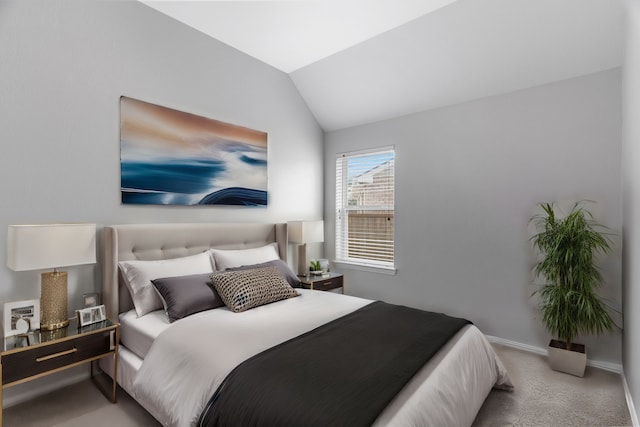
<point x="303" y="232"/>
<point x="44" y="246"/>
<point x="168" y="157"/>
<point x="90" y="315"/>
<point x="569" y="302"/>
<point x="324" y="265"/>
<point x="315" y="268"/>
<point x="91" y="299"/>
<point x="22" y="326"/>
<point x="21" y="317"/>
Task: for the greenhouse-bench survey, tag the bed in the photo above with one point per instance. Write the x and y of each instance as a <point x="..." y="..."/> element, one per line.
<point x="174" y="368"/>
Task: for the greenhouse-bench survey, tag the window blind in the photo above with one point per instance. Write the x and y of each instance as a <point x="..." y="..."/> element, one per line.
<point x="365" y="183"/>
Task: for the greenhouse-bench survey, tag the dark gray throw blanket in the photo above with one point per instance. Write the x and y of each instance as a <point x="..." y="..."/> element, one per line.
<point x="343" y="373"/>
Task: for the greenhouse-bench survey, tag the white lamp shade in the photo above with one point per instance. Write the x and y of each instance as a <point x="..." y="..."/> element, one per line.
<point x="306" y="231"/>
<point x="36" y="247"/>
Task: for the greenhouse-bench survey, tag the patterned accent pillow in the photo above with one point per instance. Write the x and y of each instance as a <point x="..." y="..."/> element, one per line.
<point x="245" y="289"/>
<point x="283" y="268"/>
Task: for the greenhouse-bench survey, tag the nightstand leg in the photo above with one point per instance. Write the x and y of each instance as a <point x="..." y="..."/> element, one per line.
<point x="115" y="363"/>
<point x="99" y="382"/>
<point x="115" y="375"/>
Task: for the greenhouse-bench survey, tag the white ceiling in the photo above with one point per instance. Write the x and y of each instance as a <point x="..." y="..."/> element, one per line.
<point x="359" y="61"/>
<point x="289" y="34"/>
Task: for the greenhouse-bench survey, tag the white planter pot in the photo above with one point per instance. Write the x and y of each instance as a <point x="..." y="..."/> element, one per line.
<point x="568" y="361"/>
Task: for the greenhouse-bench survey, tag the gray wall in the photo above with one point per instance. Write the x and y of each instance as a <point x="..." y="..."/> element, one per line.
<point x="64" y="65"/>
<point x="631" y="185"/>
<point x="468" y="178"/>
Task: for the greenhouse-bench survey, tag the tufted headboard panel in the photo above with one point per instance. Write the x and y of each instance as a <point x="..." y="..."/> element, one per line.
<point x="165" y="241"/>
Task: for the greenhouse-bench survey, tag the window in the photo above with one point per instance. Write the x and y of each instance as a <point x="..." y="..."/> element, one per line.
<point x="365" y="208"/>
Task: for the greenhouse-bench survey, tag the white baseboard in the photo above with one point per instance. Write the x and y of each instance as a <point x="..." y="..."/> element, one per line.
<point x="632" y="408"/>
<point x="607" y="366"/>
<point x="526" y="347"/>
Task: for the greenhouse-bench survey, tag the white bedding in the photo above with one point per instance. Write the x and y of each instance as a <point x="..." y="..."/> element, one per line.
<point x="187" y="362"/>
<point x="138" y="333"/>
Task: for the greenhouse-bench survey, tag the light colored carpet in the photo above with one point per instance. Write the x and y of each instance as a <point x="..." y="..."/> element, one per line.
<point x="78" y="405"/>
<point x="542" y="397"/>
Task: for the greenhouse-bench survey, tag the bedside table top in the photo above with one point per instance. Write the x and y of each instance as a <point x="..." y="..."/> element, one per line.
<point x="39" y="337"/>
<point x="318" y="277"/>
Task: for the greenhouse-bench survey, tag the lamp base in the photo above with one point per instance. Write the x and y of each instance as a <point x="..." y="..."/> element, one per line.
<point x="302" y="259"/>
<point x="54" y="326"/>
<point x="53" y="300"/>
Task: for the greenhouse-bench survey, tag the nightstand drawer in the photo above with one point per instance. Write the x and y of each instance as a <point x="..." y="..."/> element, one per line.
<point x="328" y="283"/>
<point x="43" y="358"/>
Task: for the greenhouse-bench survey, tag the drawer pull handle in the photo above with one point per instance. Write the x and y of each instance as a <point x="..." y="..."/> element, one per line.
<point x="327" y="283"/>
<point x="54" y="355"/>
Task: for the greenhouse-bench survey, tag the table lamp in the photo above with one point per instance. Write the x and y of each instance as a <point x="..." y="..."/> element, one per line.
<point x="36" y="247"/>
<point x="303" y="232"/>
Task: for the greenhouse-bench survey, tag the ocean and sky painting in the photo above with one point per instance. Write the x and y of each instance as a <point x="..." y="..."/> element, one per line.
<point x="168" y="157"/>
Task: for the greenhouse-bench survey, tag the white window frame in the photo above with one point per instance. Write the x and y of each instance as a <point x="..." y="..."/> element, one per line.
<point x="342" y="215"/>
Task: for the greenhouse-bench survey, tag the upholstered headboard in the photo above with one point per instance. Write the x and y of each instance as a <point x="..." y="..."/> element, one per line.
<point x="164" y="241"/>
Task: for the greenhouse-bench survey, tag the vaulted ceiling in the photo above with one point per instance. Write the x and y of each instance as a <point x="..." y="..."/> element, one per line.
<point x="360" y="61"/>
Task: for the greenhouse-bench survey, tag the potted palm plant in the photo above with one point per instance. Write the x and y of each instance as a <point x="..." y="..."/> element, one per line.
<point x="569" y="302"/>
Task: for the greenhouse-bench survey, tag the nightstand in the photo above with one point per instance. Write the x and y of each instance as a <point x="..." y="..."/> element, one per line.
<point x="37" y="354"/>
<point x="325" y="282"/>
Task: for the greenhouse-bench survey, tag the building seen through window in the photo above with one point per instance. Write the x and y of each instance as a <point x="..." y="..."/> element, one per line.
<point x="365" y="184"/>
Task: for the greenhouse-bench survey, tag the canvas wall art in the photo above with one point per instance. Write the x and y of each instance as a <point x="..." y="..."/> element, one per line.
<point x="168" y="157"/>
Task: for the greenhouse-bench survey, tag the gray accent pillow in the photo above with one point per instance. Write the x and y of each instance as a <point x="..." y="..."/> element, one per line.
<point x="138" y="275"/>
<point x="283" y="268"/>
<point x="245" y="289"/>
<point x="186" y="295"/>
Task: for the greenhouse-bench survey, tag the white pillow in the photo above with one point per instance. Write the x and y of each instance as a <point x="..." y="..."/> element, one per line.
<point x="224" y="258"/>
<point x="139" y="274"/>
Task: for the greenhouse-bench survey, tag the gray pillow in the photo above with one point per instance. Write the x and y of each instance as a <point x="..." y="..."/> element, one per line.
<point x="138" y="274"/>
<point x="186" y="295"/>
<point x="283" y="268"/>
<point x="245" y="289"/>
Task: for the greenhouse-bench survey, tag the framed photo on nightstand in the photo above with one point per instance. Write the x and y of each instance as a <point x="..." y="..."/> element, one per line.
<point x="91" y="299"/>
<point x="21" y="317"/>
<point x="90" y="315"/>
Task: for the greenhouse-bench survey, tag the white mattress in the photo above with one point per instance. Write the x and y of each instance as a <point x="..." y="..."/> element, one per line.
<point x="138" y="333"/>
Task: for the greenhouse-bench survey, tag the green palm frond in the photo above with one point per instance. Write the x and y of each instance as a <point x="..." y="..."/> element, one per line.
<point x="570" y="305"/>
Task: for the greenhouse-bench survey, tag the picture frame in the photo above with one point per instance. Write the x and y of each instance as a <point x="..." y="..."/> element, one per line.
<point x="20" y="317"/>
<point x="215" y="163"/>
<point x="90" y="315"/>
<point x="91" y="299"/>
